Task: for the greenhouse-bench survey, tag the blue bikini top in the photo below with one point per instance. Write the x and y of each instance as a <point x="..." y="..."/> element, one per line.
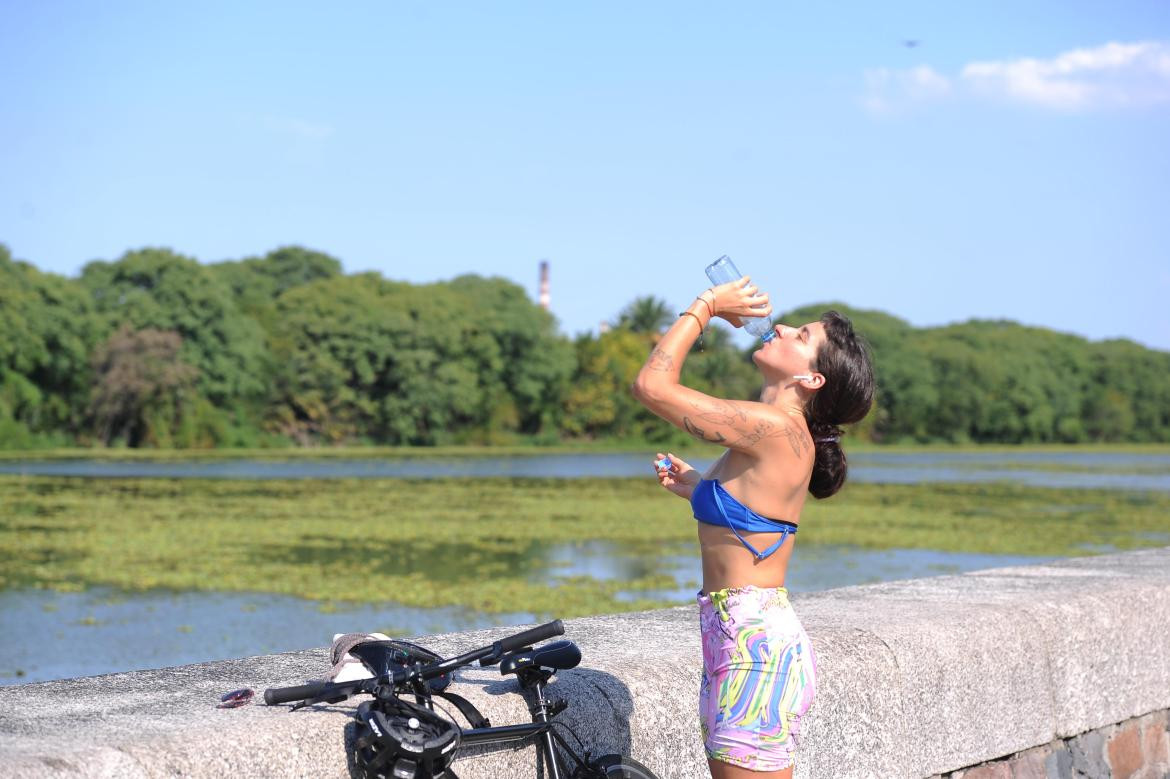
<point x="716" y="506"/>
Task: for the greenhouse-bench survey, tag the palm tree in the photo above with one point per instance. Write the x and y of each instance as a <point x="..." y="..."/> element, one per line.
<point x="646" y="315"/>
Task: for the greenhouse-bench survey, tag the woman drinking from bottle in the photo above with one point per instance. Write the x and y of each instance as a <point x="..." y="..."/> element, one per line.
<point x="759" y="672"/>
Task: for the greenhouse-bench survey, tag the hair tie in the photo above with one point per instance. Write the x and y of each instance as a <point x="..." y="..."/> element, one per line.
<point x="829" y="439"/>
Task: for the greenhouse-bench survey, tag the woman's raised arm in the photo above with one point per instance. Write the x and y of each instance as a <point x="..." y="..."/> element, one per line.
<point x="736" y="424"/>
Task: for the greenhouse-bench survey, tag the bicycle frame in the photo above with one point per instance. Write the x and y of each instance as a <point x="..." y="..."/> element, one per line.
<point x="540" y="729"/>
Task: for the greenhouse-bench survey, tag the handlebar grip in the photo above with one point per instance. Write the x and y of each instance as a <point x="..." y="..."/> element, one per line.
<point x="530" y="636"/>
<point x="276" y="695"/>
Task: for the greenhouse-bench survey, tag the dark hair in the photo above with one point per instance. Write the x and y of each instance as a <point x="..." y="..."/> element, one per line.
<point x="844" y="398"/>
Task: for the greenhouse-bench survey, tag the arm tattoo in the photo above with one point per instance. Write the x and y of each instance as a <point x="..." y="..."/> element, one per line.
<point x="721" y="413"/>
<point x="730" y="415"/>
<point x="700" y="433"/>
<point x="660" y="361"/>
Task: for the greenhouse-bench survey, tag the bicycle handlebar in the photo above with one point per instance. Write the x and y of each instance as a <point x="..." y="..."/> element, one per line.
<point x="337" y="691"/>
<point x="530" y="636"/>
<point x="275" y="695"/>
<point x="331" y="692"/>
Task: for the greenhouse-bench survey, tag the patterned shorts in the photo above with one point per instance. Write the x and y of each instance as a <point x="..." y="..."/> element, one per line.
<point x="759" y="677"/>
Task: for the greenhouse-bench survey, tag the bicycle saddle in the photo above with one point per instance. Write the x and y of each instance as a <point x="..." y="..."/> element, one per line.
<point x="559" y="655"/>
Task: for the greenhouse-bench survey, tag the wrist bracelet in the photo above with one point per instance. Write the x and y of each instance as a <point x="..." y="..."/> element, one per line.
<point x="700" y="321"/>
<point x="710" y="308"/>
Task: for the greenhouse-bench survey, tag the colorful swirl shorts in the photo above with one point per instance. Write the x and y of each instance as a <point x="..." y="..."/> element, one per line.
<point x="759" y="677"/>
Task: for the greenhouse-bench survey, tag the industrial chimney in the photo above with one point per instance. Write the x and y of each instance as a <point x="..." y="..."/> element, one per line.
<point x="544" y="284"/>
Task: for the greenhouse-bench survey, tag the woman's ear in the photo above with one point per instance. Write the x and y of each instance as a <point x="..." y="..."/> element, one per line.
<point x="811" y="380"/>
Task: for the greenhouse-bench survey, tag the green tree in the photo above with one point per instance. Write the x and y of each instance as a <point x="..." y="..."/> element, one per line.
<point x="256" y="282"/>
<point x="1128" y="398"/>
<point x="47" y="329"/>
<point x="646" y="315"/>
<point x="362" y="357"/>
<point x="143" y="393"/>
<point x="536" y="362"/>
<point x="599" y="403"/>
<point x="160" y="290"/>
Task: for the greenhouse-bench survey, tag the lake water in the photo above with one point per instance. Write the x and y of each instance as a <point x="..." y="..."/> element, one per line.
<point x="1106" y="470"/>
<point x="49" y="635"/>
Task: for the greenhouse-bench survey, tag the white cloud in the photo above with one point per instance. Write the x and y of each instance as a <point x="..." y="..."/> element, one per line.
<point x="1114" y="74"/>
<point x="887" y="90"/>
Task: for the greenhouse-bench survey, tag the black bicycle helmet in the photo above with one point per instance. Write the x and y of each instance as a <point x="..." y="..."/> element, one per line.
<point x="380" y="658"/>
<point x="395" y="739"/>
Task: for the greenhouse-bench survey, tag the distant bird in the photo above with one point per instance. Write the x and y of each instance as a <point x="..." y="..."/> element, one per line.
<point x="910" y="43"/>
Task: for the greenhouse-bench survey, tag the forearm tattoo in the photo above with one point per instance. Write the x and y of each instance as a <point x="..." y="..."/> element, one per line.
<point x="660" y="361"/>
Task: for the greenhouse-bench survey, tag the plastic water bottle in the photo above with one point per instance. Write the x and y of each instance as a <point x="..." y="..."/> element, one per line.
<point x="722" y="271"/>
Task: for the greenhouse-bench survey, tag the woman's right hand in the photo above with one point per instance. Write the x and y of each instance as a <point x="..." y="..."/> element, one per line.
<point x="737" y="299"/>
<point x="680" y="478"/>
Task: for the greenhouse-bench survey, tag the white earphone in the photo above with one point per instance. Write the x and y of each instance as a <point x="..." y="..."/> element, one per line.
<point x="804" y="376"/>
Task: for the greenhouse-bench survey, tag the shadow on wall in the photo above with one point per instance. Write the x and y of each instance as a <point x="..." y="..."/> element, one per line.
<point x="598" y="715"/>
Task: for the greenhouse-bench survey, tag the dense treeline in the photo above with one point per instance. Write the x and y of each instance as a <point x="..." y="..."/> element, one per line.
<point x="156" y="349"/>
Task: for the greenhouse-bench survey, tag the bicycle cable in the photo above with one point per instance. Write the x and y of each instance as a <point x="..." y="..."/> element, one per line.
<point x="580" y="743"/>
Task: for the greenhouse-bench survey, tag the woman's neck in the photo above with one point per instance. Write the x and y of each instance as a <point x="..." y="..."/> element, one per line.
<point x="785" y="398"/>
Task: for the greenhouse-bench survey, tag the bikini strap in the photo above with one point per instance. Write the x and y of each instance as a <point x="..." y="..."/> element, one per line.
<point x="727" y="521"/>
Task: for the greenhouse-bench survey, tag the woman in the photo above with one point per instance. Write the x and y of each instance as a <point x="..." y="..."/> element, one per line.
<point x="759" y="672"/>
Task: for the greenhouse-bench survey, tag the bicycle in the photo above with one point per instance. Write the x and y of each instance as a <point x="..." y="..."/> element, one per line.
<point x="399" y="739"/>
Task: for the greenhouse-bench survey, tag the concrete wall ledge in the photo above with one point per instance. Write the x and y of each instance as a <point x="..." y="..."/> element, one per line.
<point x="916" y="678"/>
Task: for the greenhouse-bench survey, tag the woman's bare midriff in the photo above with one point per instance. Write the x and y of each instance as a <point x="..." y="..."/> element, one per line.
<point x="728" y="563"/>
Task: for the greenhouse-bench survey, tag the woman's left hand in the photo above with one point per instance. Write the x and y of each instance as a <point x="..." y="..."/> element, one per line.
<point x="737" y="299"/>
<point x="678" y="477"/>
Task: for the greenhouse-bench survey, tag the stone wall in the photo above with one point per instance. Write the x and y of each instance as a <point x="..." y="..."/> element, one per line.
<point x="1135" y="749"/>
<point x="1032" y="671"/>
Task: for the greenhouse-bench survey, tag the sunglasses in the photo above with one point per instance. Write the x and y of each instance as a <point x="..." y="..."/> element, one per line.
<point x="235" y="698"/>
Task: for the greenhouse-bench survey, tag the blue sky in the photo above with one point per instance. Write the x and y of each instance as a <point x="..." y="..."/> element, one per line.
<point x="1011" y="164"/>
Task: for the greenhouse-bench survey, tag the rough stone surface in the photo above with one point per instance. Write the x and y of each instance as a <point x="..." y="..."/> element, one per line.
<point x="989" y="771"/>
<point x="1031" y="764"/>
<point x="1088" y="754"/>
<point x="1059" y="765"/>
<point x="1124" y="749"/>
<point x="1156" y="740"/>
<point x="916" y="678"/>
